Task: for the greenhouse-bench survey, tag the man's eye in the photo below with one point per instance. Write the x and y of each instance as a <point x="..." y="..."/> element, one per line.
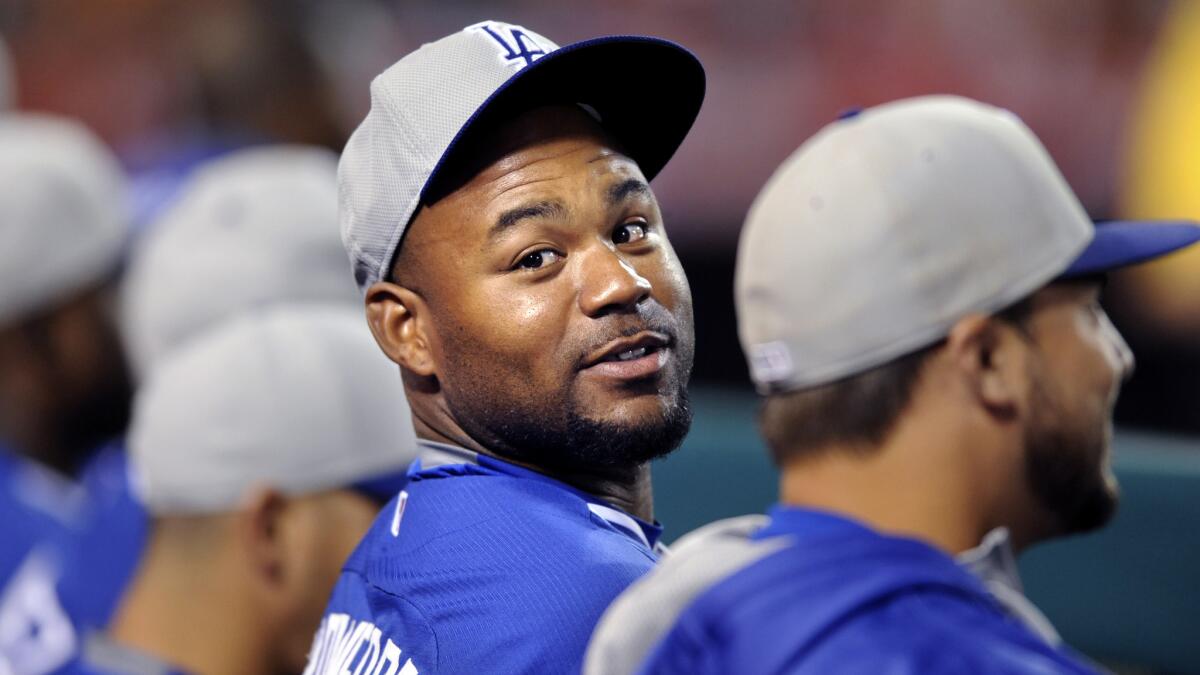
<point x="538" y="259"/>
<point x="629" y="233"/>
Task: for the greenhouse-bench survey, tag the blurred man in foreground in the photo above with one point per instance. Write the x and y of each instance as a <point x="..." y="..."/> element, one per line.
<point x="496" y="206"/>
<point x="263" y="451"/>
<point x="918" y="297"/>
<point x="250" y="230"/>
<point x="64" y="388"/>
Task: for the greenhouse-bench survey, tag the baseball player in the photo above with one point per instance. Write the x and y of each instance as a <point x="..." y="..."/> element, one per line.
<point x="918" y="298"/>
<point x="262" y="449"/>
<point x="63" y="384"/>
<point x="250" y="230"/>
<point x="496" y="208"/>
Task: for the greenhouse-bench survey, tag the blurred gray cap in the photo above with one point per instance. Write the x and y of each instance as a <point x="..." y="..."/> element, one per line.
<point x="646" y="92"/>
<point x="252" y="228"/>
<point x="887" y="227"/>
<point x="63" y="212"/>
<point x="297" y="398"/>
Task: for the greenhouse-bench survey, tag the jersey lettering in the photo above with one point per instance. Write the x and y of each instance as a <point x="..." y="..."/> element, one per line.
<point x="347" y="647"/>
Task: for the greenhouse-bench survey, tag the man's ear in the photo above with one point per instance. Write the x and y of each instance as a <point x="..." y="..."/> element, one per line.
<point x="261" y="533"/>
<point x="991" y="356"/>
<point x="399" y="320"/>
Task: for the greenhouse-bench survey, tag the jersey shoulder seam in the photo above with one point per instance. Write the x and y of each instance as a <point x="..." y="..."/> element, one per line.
<point x="437" y="652"/>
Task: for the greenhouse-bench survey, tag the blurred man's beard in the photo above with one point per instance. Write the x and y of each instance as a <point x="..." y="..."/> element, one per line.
<point x="1064" y="463"/>
<point x="100" y="413"/>
<point x="566" y="441"/>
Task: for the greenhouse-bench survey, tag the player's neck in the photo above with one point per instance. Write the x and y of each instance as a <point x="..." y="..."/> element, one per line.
<point x="176" y="615"/>
<point x="912" y="485"/>
<point x="631" y="492"/>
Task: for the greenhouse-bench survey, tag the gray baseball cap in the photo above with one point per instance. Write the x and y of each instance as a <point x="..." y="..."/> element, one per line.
<point x="296" y="397"/>
<point x="63" y="212"/>
<point x="645" y="91"/>
<point x="250" y="229"/>
<point x="887" y="227"/>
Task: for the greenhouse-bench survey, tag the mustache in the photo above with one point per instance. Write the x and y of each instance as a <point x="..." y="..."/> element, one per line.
<point x="649" y="317"/>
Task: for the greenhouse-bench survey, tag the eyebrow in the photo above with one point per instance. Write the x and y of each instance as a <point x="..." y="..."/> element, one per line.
<point x="555" y="209"/>
<point x="626" y="189"/>
<point x="543" y="209"/>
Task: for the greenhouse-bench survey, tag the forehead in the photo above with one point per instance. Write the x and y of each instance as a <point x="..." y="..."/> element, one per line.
<point x="574" y="163"/>
<point x="557" y="154"/>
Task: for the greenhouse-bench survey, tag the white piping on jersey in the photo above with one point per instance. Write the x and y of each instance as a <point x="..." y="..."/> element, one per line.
<point x="995" y="564"/>
<point x="401" y="502"/>
<point x="617" y="519"/>
<point x="435" y="454"/>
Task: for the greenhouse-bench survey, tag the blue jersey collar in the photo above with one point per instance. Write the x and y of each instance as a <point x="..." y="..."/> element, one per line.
<point x="806" y="522"/>
<point x="440" y="460"/>
<point x="806" y="525"/>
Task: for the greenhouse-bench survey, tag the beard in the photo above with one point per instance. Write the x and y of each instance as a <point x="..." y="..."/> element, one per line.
<point x="571" y="442"/>
<point x="1065" y="465"/>
<point x="90" y="421"/>
<point x="553" y="429"/>
<point x="90" y="412"/>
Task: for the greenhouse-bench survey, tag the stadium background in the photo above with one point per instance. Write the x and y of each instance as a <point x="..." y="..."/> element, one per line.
<point x="1111" y="86"/>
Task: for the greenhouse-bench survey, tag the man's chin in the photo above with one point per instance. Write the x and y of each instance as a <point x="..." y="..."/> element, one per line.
<point x="1069" y="474"/>
<point x="630" y="434"/>
<point x="594" y="434"/>
<point x="1085" y="507"/>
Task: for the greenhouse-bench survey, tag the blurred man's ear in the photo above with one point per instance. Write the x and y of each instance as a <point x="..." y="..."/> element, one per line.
<point x="399" y="319"/>
<point x="992" y="357"/>
<point x="262" y="533"/>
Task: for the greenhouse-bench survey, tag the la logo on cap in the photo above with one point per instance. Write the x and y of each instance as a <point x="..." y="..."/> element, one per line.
<point x="516" y="45"/>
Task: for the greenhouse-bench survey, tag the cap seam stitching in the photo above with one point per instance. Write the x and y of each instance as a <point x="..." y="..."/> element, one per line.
<point x="396" y="118"/>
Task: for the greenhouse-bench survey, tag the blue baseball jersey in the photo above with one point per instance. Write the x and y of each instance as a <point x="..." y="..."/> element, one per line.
<point x="40" y="511"/>
<point x="100" y="560"/>
<point x="479" y="566"/>
<point x="842" y="598"/>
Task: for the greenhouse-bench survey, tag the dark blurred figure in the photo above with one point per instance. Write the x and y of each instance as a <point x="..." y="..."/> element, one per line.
<point x="63" y="383"/>
<point x="64" y="387"/>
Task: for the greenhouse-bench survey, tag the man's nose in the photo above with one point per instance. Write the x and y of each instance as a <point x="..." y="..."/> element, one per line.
<point x="610" y="284"/>
<point x="1125" y="358"/>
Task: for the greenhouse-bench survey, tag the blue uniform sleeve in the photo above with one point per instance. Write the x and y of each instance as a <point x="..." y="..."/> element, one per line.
<point x="913" y="635"/>
<point x="368" y="630"/>
<point x="100" y="560"/>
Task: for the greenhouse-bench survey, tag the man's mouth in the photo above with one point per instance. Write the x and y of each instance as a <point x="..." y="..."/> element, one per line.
<point x="630" y="358"/>
<point x="631" y="354"/>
